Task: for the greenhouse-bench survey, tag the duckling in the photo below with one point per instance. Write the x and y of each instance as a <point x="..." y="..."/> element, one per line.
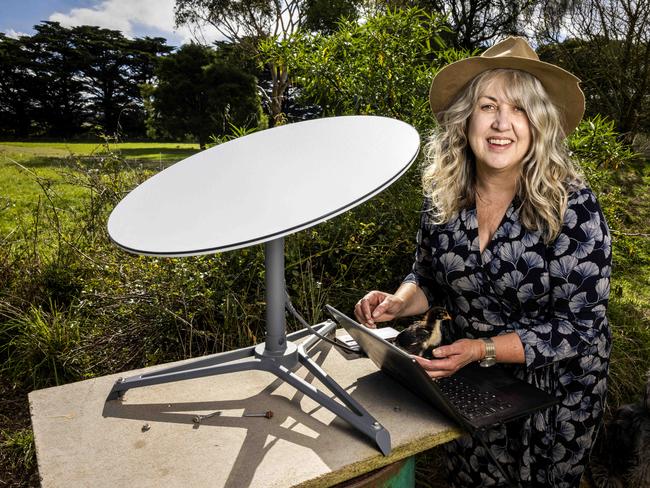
<point x="420" y="338"/>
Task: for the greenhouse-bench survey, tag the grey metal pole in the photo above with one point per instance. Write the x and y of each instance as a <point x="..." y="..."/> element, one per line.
<point x="276" y="338"/>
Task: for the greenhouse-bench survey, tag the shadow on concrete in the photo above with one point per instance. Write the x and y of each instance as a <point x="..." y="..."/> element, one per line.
<point x="286" y="424"/>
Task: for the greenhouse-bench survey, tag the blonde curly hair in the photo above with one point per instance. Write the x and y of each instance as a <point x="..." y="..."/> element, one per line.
<point x="547" y="172"/>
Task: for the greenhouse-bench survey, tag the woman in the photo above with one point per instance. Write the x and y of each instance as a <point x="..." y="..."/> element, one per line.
<point x="515" y="245"/>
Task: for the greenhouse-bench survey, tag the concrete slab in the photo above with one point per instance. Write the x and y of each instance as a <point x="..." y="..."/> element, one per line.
<point x="148" y="438"/>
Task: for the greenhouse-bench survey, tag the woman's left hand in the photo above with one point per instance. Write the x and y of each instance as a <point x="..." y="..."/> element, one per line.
<point x="449" y="359"/>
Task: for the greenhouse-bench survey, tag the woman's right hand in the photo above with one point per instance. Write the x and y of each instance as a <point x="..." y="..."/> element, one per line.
<point x="378" y="306"/>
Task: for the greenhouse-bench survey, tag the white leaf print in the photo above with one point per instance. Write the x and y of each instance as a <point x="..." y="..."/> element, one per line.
<point x="584" y="441"/>
<point x="590" y="363"/>
<point x="563" y="266"/>
<point x="533" y="260"/>
<point x="526" y="292"/>
<point x="511" y="251"/>
<point x="467" y="283"/>
<point x="482" y="326"/>
<point x="561" y="244"/>
<point x="573" y="398"/>
<point x="564" y="349"/>
<point x="564" y="327"/>
<point x="563" y="414"/>
<point x="587" y="269"/>
<point x="578" y="302"/>
<point x="602" y="288"/>
<point x="461" y="322"/>
<point x="462" y="303"/>
<point x="570" y="218"/>
<point x="580" y="197"/>
<point x="558" y="452"/>
<point x="481" y="302"/>
<point x="544" y="328"/>
<point x="588" y="380"/>
<point x="452" y="262"/>
<point x="529" y="239"/>
<point x="599" y="311"/>
<point x="511" y="280"/>
<point x="567" y="430"/>
<point x="584" y="249"/>
<point x="460" y="238"/>
<point x="530" y="355"/>
<point x="592" y="228"/>
<point x="600" y="387"/>
<point x="565" y="291"/>
<point x="476" y="244"/>
<point x="443" y="242"/>
<point x="471" y="222"/>
<point x="546" y="349"/>
<point x="493" y="318"/>
<point x="515" y="230"/>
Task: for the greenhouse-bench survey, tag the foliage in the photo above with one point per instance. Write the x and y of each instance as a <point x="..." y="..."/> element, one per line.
<point x="477" y="23"/>
<point x="198" y="96"/>
<point x="596" y="144"/>
<point x="18" y="447"/>
<point x="246" y="23"/>
<point x="324" y="15"/>
<point x="64" y="82"/>
<point x="606" y="43"/>
<point x="383" y="66"/>
<point x="44" y="342"/>
<point x="603" y="158"/>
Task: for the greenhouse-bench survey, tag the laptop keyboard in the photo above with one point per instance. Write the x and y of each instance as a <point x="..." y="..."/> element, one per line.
<point x="471" y="401"/>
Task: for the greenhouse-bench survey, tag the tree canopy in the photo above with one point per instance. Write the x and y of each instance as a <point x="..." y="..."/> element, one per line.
<point x="63" y="81"/>
<point x="199" y="96"/>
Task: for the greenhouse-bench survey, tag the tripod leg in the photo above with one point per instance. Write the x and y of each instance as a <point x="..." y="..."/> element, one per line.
<point x="352" y="412"/>
<point x="205" y="366"/>
<point x="186" y="372"/>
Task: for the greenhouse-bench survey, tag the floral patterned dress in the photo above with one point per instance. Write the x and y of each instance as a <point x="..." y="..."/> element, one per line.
<point x="554" y="297"/>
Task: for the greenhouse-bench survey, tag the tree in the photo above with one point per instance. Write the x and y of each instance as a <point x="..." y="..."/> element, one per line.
<point x="16" y="104"/>
<point x="247" y="22"/>
<point x="324" y="15"/>
<point x="475" y="23"/>
<point x="200" y="97"/>
<point x="60" y="81"/>
<point x="383" y="66"/>
<point x="58" y="93"/>
<point x="606" y="43"/>
<point x="112" y="68"/>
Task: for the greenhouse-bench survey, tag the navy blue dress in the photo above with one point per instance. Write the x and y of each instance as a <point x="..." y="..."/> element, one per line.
<point x="555" y="298"/>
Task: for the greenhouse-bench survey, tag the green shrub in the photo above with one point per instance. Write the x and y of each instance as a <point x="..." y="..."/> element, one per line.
<point x="44" y="346"/>
<point x="18" y="449"/>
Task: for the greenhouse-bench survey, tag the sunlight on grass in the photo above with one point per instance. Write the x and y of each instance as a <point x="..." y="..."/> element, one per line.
<point x="23" y="165"/>
<point x="153" y="151"/>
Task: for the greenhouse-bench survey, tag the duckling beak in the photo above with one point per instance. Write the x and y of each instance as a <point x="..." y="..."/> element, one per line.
<point x="446" y="316"/>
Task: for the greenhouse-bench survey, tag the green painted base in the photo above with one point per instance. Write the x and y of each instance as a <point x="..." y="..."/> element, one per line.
<point x="400" y="474"/>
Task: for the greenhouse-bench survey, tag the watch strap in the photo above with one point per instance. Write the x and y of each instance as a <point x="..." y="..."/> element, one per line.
<point x="490" y="352"/>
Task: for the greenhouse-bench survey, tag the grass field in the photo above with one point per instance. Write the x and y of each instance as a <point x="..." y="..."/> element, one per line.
<point x="26" y="166"/>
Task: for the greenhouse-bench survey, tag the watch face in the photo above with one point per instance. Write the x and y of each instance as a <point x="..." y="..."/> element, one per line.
<point x="487" y="362"/>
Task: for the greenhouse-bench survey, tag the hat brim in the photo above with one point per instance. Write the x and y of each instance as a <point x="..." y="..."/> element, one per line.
<point x="562" y="87"/>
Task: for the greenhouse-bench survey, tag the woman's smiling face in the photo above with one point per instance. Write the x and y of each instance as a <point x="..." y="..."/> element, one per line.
<point x="499" y="132"/>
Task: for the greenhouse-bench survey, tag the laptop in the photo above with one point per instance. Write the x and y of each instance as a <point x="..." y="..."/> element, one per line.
<point x="474" y="397"/>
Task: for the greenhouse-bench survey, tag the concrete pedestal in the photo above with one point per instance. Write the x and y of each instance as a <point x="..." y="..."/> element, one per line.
<point x="149" y="439"/>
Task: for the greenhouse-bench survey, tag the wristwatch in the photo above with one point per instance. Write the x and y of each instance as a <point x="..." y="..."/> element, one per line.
<point x="490" y="358"/>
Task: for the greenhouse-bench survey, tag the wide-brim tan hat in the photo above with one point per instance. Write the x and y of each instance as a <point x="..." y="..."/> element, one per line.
<point x="512" y="53"/>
